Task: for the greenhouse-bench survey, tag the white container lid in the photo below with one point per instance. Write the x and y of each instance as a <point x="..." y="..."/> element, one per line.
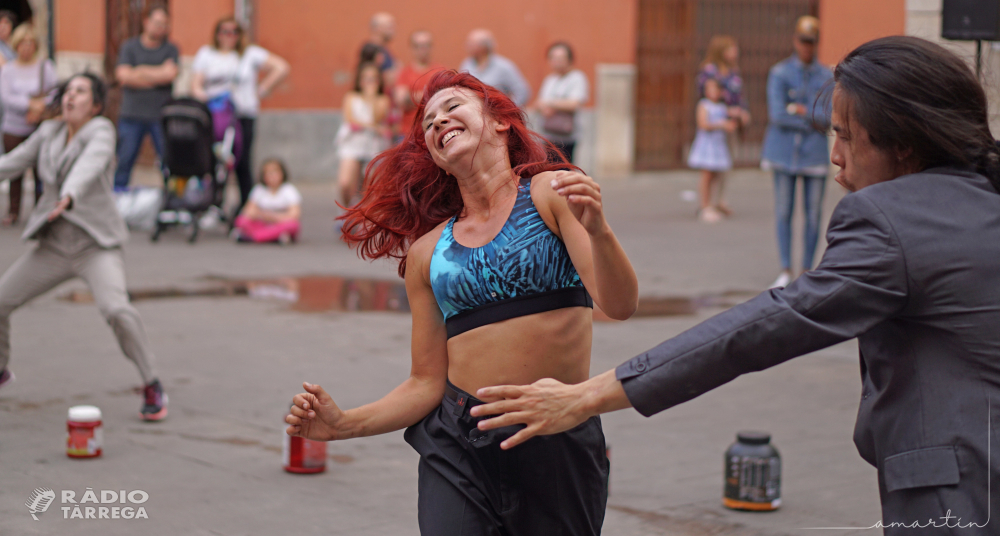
<point x="84" y="413"/>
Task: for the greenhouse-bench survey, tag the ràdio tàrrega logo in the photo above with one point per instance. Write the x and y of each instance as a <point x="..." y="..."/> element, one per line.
<point x="39" y="501"/>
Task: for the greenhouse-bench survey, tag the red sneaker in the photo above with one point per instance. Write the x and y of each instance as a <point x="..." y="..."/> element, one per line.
<point x="154" y="407"/>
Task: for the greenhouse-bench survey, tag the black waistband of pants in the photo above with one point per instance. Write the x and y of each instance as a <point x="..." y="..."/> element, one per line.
<point x="518" y="306"/>
<point x="467" y="424"/>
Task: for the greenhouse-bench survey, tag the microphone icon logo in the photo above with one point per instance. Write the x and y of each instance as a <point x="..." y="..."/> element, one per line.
<point x="39" y="501"/>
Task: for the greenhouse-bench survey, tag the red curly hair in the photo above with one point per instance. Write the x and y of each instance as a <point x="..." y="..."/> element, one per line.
<point x="407" y="194"/>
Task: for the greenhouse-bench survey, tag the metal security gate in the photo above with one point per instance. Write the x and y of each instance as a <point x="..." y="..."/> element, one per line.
<point x="672" y="39"/>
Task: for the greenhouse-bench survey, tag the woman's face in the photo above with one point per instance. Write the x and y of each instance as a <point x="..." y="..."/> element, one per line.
<point x="559" y="60"/>
<point x="370" y="79"/>
<point x="26" y="49"/>
<point x="273" y="177"/>
<point x="228" y="36"/>
<point x="78" y="102"/>
<point x="861" y="163"/>
<point x="455" y="126"/>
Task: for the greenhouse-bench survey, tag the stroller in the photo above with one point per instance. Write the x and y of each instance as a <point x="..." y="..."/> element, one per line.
<point x="195" y="167"/>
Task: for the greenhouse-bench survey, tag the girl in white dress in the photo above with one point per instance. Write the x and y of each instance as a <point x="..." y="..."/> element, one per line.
<point x="364" y="132"/>
<point x="710" y="150"/>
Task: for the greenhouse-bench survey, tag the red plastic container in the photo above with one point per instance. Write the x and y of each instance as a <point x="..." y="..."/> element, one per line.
<point x="85" y="436"/>
<point x="304" y="456"/>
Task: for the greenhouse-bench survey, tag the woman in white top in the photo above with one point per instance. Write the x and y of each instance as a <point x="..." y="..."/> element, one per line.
<point x="364" y="131"/>
<point x="228" y="65"/>
<point x="21" y="79"/>
<point x="272" y="213"/>
<point x="564" y="91"/>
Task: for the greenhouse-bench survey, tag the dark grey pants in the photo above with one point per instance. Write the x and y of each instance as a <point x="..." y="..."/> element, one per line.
<point x="551" y="485"/>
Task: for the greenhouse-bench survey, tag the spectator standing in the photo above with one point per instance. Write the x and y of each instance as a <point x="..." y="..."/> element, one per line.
<point x="710" y="150"/>
<point x="381" y="30"/>
<point x="413" y="77"/>
<point x="8" y="21"/>
<point x="364" y="131"/>
<point x="147" y="67"/>
<point x="272" y="213"/>
<point x="24" y="82"/>
<point x="794" y="146"/>
<point x="230" y="66"/>
<point x="721" y="64"/>
<point x="493" y="69"/>
<point x="564" y="91"/>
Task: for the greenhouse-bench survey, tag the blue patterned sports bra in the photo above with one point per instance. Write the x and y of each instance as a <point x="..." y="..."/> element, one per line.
<point x="524" y="270"/>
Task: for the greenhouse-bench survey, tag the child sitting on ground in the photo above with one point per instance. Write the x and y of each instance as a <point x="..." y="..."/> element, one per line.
<point x="273" y="209"/>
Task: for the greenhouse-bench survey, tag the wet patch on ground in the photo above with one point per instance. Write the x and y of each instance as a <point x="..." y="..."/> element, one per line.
<point x="324" y="293"/>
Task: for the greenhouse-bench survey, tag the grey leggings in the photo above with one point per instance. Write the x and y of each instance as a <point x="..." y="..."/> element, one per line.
<point x="66" y="251"/>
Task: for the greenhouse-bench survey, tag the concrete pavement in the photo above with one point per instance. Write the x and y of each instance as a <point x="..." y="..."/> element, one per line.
<point x="232" y="364"/>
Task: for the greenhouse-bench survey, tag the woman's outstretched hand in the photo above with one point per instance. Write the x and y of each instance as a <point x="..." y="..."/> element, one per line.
<point x="583" y="195"/>
<point x="314" y="415"/>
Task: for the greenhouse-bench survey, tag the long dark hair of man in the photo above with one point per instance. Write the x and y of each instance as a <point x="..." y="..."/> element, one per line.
<point x="909" y="93"/>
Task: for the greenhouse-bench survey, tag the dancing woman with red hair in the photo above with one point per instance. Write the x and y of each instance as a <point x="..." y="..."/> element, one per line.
<point x="503" y="253"/>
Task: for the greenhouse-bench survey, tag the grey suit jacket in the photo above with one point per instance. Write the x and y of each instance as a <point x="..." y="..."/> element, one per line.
<point x="913" y="271"/>
<point x="83" y="169"/>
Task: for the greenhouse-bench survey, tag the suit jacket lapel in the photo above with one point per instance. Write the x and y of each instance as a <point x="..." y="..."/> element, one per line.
<point x="63" y="155"/>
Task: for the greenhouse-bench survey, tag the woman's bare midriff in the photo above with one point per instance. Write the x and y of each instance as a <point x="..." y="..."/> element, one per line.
<point x="554" y="344"/>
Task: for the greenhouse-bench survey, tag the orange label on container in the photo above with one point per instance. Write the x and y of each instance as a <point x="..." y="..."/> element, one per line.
<point x="745" y="505"/>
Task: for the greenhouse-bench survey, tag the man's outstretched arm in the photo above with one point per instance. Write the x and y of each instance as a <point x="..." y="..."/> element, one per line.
<point x="860" y="282"/>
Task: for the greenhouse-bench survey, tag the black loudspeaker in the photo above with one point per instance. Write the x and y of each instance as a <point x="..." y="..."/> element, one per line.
<point x="970" y="20"/>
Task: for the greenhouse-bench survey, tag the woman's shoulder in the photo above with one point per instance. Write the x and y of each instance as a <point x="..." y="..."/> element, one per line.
<point x="47" y="127"/>
<point x="542" y="193"/>
<point x="422" y="249"/>
<point x="98" y="127"/>
<point x="256" y="49"/>
<point x="100" y="123"/>
<point x="290" y="189"/>
<point x="256" y="53"/>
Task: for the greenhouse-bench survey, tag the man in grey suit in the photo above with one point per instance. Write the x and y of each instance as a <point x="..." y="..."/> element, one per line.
<point x="912" y="270"/>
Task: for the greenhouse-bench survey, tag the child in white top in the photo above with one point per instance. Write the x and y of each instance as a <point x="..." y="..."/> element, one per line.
<point x="273" y="210"/>
<point x="710" y="151"/>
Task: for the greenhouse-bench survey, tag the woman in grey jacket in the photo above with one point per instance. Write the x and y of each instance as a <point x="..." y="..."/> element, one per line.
<point x="77" y="225"/>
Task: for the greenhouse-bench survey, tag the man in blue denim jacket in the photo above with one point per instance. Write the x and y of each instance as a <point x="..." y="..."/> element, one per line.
<point x="795" y="144"/>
